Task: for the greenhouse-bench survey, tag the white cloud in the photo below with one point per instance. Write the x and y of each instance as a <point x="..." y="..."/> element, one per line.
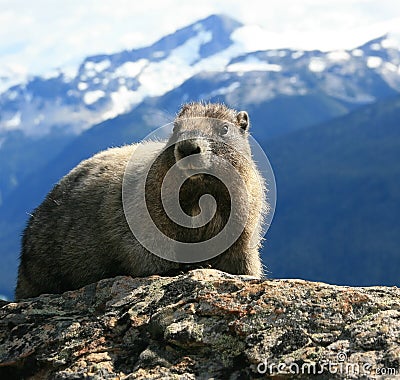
<point x="45" y="34"/>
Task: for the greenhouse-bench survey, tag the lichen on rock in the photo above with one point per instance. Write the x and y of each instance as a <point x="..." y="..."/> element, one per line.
<point x="203" y="324"/>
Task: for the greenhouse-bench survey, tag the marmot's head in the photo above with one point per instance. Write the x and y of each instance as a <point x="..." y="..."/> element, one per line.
<point x="203" y="131"/>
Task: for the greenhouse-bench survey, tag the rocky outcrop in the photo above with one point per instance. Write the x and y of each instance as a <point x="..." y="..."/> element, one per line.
<point x="203" y="324"/>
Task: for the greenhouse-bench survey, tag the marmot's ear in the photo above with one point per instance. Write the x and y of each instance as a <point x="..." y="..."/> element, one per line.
<point x="183" y="109"/>
<point x="243" y="120"/>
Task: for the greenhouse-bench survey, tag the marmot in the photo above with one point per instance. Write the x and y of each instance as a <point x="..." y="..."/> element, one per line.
<point x="80" y="233"/>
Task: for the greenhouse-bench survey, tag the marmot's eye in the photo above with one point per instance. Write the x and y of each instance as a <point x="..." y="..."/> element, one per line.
<point x="223" y="130"/>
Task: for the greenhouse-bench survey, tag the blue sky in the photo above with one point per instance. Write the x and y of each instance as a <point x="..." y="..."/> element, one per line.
<point x="37" y="36"/>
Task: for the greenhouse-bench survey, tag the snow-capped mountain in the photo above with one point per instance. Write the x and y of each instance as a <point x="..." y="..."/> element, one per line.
<point x="106" y="86"/>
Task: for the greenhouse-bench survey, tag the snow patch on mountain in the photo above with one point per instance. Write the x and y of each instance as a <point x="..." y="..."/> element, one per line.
<point x="156" y="78"/>
<point x="253" y="64"/>
<point x="338" y="56"/>
<point x="82" y="86"/>
<point x="14" y="122"/>
<point x="121" y="101"/>
<point x="159" y="77"/>
<point x="357" y="53"/>
<point x="131" y="69"/>
<point x="374" y="62"/>
<point x="97" y="67"/>
<point x="225" y="90"/>
<point x="317" y="65"/>
<point x="91" y="97"/>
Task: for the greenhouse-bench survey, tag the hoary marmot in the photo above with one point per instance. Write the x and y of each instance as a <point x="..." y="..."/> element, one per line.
<point x="80" y="233"/>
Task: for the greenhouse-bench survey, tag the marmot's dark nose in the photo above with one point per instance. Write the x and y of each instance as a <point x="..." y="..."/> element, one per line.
<point x="188" y="147"/>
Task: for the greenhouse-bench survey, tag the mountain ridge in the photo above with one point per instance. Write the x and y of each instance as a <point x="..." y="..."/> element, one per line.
<point x="107" y="85"/>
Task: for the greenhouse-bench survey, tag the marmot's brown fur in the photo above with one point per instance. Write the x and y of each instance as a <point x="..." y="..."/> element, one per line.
<point x="79" y="234"/>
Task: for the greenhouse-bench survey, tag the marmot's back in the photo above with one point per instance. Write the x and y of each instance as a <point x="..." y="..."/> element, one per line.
<point x="70" y="238"/>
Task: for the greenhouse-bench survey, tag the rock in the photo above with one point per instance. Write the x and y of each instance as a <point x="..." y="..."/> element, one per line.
<point x="200" y="325"/>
